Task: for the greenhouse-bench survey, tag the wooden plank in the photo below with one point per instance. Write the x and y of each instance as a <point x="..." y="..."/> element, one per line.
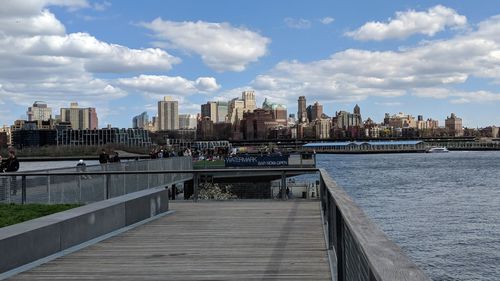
<point x="237" y="240"/>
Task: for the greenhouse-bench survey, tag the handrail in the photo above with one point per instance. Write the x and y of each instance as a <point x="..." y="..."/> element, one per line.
<point x="197" y="171"/>
<point x="363" y="251"/>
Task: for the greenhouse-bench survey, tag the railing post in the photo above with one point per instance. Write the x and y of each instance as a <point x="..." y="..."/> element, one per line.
<point x="195" y="187"/>
<point x="48" y="188"/>
<point x="283" y="185"/>
<point x="23" y="190"/>
<point x="80" y="189"/>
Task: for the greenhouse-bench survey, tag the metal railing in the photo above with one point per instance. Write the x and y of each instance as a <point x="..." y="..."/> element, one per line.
<point x="363" y="252"/>
<point x="94" y="183"/>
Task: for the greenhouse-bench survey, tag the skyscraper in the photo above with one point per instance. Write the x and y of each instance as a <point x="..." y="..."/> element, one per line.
<point x="248" y="98"/>
<point x="209" y="110"/>
<point x="39" y="112"/>
<point x="140" y="121"/>
<point x="317" y="111"/>
<point x="302" y="111"/>
<point x="168" y="114"/>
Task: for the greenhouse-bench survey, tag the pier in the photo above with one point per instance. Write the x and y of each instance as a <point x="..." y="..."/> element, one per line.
<point x="153" y="238"/>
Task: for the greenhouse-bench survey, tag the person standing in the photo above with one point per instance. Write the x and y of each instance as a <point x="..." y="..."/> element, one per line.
<point x="12" y="165"/>
<point x="103" y="157"/>
<point x="116" y="158"/>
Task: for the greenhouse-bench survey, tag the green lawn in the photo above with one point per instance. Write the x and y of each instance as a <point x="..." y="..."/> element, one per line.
<point x="14" y="213"/>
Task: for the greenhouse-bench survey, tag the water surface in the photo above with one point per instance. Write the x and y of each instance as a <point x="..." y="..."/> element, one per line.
<point x="442" y="209"/>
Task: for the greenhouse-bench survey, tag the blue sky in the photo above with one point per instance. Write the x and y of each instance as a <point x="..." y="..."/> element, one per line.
<point x="426" y="58"/>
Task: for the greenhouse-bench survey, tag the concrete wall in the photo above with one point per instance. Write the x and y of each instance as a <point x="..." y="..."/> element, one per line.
<point x="29" y="241"/>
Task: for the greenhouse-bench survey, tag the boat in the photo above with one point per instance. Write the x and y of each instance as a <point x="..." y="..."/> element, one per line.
<point x="437" y="150"/>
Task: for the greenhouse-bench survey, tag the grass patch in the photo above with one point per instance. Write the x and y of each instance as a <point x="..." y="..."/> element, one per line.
<point x="15" y="213"/>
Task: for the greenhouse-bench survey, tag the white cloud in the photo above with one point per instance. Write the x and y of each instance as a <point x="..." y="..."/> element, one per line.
<point x="327" y="20"/>
<point x="220" y="45"/>
<point x="166" y="85"/>
<point x="102" y="6"/>
<point x="297" y="23"/>
<point x="40" y="61"/>
<point x="429" y="69"/>
<point x="411" y="22"/>
<point x="458" y="96"/>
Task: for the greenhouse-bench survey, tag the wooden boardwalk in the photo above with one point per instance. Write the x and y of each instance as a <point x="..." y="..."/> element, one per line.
<point x="239" y="240"/>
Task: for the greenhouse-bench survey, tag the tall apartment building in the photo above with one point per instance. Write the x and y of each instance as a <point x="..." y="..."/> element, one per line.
<point x="39" y="112"/>
<point x="317" y="111"/>
<point x="209" y="110"/>
<point x="454" y="125"/>
<point x="236" y="108"/>
<point x="168" y="114"/>
<point x="187" y="121"/>
<point x="80" y="118"/>
<point x="302" y="110"/>
<point x="140" y="121"/>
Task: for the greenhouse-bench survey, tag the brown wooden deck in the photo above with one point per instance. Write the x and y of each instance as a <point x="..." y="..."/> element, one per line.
<point x="239" y="240"/>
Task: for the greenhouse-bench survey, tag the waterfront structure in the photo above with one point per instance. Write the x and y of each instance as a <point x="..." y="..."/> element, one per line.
<point x="80" y="118"/>
<point x="87" y="137"/>
<point x="168" y="114"/>
<point x="187" y="121"/>
<point x="302" y="110"/>
<point x="367" y="146"/>
<point x="453" y="125"/>
<point x="39" y="111"/>
<point x="140" y="121"/>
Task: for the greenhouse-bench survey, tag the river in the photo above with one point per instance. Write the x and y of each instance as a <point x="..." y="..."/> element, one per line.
<point x="443" y="209"/>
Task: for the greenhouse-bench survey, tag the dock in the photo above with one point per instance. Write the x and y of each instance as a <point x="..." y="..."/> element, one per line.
<point x="214" y="240"/>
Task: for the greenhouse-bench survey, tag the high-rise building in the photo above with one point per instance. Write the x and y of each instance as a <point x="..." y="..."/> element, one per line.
<point x="302" y="110"/>
<point x="209" y="110"/>
<point x="248" y="98"/>
<point x="80" y="118"/>
<point x="168" y="114"/>
<point x="317" y="111"/>
<point x="222" y="110"/>
<point x="454" y="125"/>
<point x="39" y="112"/>
<point x="215" y="110"/>
<point x="235" y="110"/>
<point x="140" y="121"/>
<point x="187" y="121"/>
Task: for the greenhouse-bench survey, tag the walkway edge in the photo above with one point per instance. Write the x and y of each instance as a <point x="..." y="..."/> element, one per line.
<point x="78" y="247"/>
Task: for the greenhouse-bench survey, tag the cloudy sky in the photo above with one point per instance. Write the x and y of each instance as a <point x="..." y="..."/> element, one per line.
<point x="418" y="57"/>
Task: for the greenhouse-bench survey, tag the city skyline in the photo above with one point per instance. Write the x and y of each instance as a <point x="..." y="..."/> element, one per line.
<point x="427" y="58"/>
